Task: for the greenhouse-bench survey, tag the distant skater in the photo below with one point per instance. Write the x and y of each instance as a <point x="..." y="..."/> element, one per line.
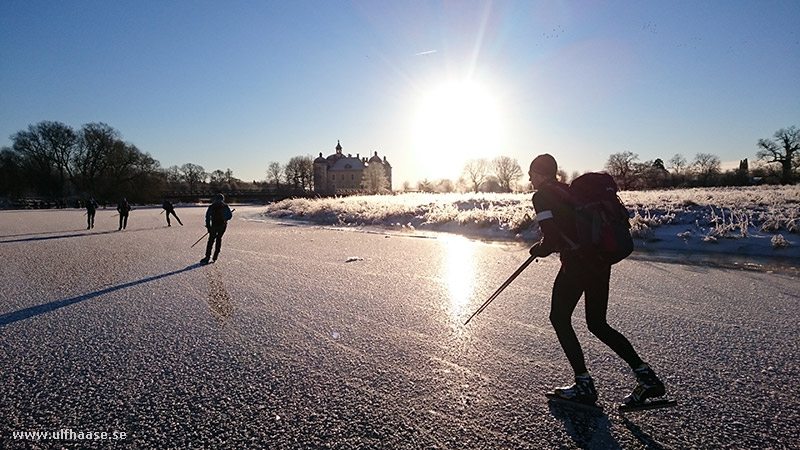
<point x="217" y="216"/>
<point x="91" y="209"/>
<point x="582" y="273"/>
<point x="123" y="208"/>
<point x="167" y="205"/>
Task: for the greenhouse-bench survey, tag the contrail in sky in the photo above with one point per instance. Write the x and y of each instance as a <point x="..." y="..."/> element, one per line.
<point x="425" y="53"/>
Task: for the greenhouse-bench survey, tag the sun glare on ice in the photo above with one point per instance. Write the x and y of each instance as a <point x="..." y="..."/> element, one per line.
<point x="458" y="273"/>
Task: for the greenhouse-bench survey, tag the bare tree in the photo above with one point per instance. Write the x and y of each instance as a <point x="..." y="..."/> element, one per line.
<point x="48" y="146"/>
<point x="173" y="174"/>
<point x="61" y="141"/>
<point x="507" y="171"/>
<point x="275" y="174"/>
<point x="217" y="177"/>
<point x="678" y="164"/>
<point x="621" y="167"/>
<point x="475" y="173"/>
<point x="193" y="174"/>
<point x="679" y="167"/>
<point x="375" y="180"/>
<point x="300" y="172"/>
<point x="707" y="167"/>
<point x="784" y="149"/>
<point x="96" y="141"/>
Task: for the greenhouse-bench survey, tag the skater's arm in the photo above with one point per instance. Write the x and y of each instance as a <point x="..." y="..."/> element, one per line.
<point x="545" y="206"/>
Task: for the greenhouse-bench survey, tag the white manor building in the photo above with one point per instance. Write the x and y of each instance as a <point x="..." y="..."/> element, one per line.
<point x="338" y="172"/>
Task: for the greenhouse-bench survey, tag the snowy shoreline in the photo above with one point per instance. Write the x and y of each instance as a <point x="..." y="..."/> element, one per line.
<point x="759" y="223"/>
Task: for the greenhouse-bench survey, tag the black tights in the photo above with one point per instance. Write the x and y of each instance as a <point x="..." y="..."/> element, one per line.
<point x="572" y="281"/>
<point x="215" y="233"/>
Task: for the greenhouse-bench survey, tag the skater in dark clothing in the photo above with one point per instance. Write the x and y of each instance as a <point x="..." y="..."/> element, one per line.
<point x="123" y="208"/>
<point x="91" y="208"/>
<point x="167" y="205"/>
<point x="581" y="273"/>
<point x="217" y="216"/>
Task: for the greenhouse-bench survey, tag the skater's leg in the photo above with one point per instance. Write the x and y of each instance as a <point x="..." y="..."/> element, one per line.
<point x="220" y="232"/>
<point x="212" y="235"/>
<point x="567" y="290"/>
<point x="177" y="218"/>
<point x="596" y="303"/>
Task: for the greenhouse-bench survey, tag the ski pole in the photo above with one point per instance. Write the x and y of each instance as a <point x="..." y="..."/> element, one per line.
<point x="201" y="238"/>
<point x="502" y="287"/>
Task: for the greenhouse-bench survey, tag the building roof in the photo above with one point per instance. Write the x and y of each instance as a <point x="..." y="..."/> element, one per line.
<point x="347" y="163"/>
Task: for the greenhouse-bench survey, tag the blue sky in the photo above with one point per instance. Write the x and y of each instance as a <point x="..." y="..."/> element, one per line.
<point x="238" y="84"/>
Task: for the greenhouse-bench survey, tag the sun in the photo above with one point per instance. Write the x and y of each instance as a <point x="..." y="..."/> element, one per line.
<point x="455" y="122"/>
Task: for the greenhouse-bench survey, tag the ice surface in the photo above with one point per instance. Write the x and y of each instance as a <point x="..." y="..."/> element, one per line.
<point x="280" y="344"/>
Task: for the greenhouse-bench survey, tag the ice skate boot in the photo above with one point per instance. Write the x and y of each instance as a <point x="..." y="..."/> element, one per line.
<point x="647" y="386"/>
<point x="582" y="393"/>
<point x="204" y="261"/>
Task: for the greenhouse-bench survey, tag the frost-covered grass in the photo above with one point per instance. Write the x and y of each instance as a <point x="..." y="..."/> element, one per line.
<point x="725" y="212"/>
<point x="487" y="215"/>
<point x="707" y="213"/>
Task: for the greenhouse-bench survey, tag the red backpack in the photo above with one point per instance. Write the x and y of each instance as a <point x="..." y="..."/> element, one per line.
<point x="602" y="221"/>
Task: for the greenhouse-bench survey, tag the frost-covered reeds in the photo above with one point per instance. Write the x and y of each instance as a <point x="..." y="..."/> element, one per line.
<point x="719" y="212"/>
<point x="728" y="212"/>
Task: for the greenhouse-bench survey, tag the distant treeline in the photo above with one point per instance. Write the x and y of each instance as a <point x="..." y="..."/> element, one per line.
<point x="51" y="163"/>
<point x="777" y="162"/>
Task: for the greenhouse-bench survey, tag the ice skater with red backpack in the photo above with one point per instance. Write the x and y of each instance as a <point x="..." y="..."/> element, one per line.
<point x="571" y="226"/>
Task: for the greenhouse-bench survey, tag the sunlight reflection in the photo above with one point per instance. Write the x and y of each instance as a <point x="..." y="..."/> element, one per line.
<point x="459" y="273"/>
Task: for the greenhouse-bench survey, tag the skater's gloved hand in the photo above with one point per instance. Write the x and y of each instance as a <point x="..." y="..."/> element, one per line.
<point x="536" y="250"/>
<point x="208" y="228"/>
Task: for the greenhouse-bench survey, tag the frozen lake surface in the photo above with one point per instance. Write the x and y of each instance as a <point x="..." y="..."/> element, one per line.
<point x="305" y="336"/>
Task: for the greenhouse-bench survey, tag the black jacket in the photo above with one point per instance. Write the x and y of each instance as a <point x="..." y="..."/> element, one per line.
<point x="556" y="217"/>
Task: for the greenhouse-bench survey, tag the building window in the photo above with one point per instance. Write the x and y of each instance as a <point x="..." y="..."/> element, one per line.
<point x="352" y="176"/>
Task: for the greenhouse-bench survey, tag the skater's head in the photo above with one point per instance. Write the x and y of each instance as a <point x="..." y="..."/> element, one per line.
<point x="219" y="198"/>
<point x="543" y="168"/>
<point x="123" y="200"/>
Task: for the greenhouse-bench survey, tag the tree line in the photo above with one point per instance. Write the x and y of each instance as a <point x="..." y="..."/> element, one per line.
<point x="54" y="160"/>
<point x="777" y="162"/>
